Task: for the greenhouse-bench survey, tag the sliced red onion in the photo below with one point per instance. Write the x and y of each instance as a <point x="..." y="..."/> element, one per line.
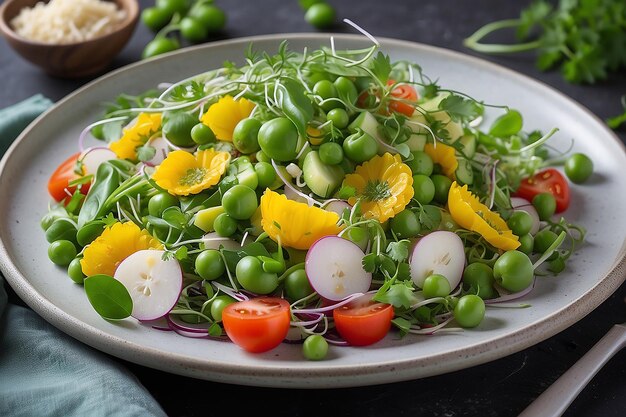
<point x="431" y="330"/>
<point x="336" y="206"/>
<point x="521" y="204"/>
<point x="175" y="322"/>
<point x="307" y="323"/>
<point x="333" y="306"/>
<point x="229" y="291"/>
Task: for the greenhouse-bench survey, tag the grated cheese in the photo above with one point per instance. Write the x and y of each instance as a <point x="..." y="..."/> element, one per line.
<point x="67" y="21"/>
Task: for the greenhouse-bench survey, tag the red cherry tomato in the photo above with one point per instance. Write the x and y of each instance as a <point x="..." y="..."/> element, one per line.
<point x="259" y="324"/>
<point x="402" y="92"/>
<point x="60" y="179"/>
<point x="363" y="321"/>
<point x="547" y="181"/>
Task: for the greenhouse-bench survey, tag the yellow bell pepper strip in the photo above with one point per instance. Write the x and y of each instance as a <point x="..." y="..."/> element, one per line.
<point x="471" y="214"/>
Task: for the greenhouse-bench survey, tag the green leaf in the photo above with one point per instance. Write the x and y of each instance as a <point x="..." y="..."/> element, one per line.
<point x="106" y="182"/>
<point x="398" y="294"/>
<point x="215" y="330"/>
<point x="146" y="152"/>
<point x="174" y="217"/>
<point x="616" y="121"/>
<point x="345" y="192"/>
<point x="295" y="104"/>
<point x="531" y="16"/>
<point x="399" y="251"/>
<point x="403" y="149"/>
<point x="112" y="131"/>
<point x="370" y="262"/>
<point x="402" y="324"/>
<point x="108" y="297"/>
<point x="381" y="67"/>
<point x="459" y="108"/>
<point x="507" y="125"/>
<point x="429" y="217"/>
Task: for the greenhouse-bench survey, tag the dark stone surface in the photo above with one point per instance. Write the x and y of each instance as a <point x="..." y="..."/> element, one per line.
<point x="500" y="388"/>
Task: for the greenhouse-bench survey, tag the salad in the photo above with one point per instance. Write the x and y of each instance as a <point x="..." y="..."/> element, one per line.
<point x="323" y="197"/>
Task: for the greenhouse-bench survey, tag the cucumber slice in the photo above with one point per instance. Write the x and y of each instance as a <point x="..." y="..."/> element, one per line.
<point x="469" y="145"/>
<point x="464" y="173"/>
<point x="322" y="179"/>
<point x="417" y="141"/>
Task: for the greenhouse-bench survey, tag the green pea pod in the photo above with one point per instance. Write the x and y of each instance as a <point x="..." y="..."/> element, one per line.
<point x="106" y="182"/>
<point x="296" y="105"/>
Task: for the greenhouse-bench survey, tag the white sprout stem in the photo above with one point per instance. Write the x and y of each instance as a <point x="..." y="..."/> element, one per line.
<point x="307" y="323"/>
<point x="430" y="330"/>
<point x="236" y="295"/>
<point x="312" y="331"/>
<point x="492" y="196"/>
<point x="87" y="130"/>
<point x="289" y="185"/>
<point x="363" y="31"/>
<point x="345" y="301"/>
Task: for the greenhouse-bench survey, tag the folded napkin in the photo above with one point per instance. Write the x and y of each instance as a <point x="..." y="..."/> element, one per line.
<point x="44" y="372"/>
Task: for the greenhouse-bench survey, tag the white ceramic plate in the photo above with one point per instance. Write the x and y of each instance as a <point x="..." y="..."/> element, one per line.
<point x="593" y="274"/>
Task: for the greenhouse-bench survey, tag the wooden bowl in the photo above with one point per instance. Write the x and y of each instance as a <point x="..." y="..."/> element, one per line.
<point x="72" y="60"/>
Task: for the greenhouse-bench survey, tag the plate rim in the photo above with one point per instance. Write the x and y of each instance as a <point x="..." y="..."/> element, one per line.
<point x="316" y="377"/>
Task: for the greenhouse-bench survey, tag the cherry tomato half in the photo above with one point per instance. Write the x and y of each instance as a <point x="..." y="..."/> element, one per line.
<point x="259" y="324"/>
<point x="402" y="92"/>
<point x="363" y="321"/>
<point x="547" y="181"/>
<point x="61" y="177"/>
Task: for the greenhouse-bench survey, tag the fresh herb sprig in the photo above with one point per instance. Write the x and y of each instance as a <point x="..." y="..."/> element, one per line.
<point x="585" y="39"/>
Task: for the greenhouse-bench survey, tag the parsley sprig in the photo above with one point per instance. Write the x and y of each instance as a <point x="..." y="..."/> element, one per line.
<point x="586" y="39"/>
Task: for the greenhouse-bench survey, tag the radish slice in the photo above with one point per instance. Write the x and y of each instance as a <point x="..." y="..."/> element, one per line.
<point x="337" y="206"/>
<point x="439" y="252"/>
<point x="153" y="284"/>
<point x="334" y="268"/>
<point x="213" y="241"/>
<point x="162" y="149"/>
<point x="93" y="157"/>
<point x="521" y="204"/>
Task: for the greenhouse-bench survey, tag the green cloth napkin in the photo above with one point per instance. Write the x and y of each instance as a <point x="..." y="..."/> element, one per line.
<point x="44" y="372"/>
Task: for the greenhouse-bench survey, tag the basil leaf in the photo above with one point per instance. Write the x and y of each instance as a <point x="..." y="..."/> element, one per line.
<point x="108" y="297"/>
<point x="507" y="125"/>
<point x="296" y="105"/>
<point x="106" y="181"/>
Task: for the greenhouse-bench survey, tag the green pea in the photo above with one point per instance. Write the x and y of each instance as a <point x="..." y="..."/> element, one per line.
<point x="436" y="285"/>
<point x="265" y="173"/>
<point x="421" y="163"/>
<point x="159" y="202"/>
<point x="240" y="202"/>
<point x="252" y="277"/>
<point x="75" y="271"/>
<point x="212" y="17"/>
<point x="89" y="232"/>
<point x="405" y="224"/>
<point x="177" y="128"/>
<point x="327" y="91"/>
<point x="520" y="223"/>
<point x="219" y="304"/>
<point x="225" y="225"/>
<point x="155" y="18"/>
<point x="545" y="204"/>
<point x="442" y="187"/>
<point x="193" y="30"/>
<point x="469" y="311"/>
<point x="202" y="134"/>
<point x="331" y="153"/>
<point x="210" y="265"/>
<point x="423" y="189"/>
<point x="297" y="285"/>
<point x="339" y="117"/>
<point x="346" y="90"/>
<point x="479" y="277"/>
<point x="543" y="240"/>
<point x="320" y="15"/>
<point x="526" y="244"/>
<point x="513" y="270"/>
<point x="158" y="46"/>
<point x="315" y="347"/>
<point x="61" y="252"/>
<point x="246" y="135"/>
<point x="578" y="168"/>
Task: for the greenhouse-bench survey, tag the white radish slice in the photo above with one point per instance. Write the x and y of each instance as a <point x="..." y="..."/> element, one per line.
<point x="213" y="241"/>
<point x="153" y="284"/>
<point x="521" y="204"/>
<point x="439" y="252"/>
<point x="337" y="206"/>
<point x="162" y="149"/>
<point x="335" y="270"/>
<point x="93" y="157"/>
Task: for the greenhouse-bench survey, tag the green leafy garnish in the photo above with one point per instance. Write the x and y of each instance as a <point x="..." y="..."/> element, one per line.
<point x="109" y="297"/>
<point x="584" y="38"/>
